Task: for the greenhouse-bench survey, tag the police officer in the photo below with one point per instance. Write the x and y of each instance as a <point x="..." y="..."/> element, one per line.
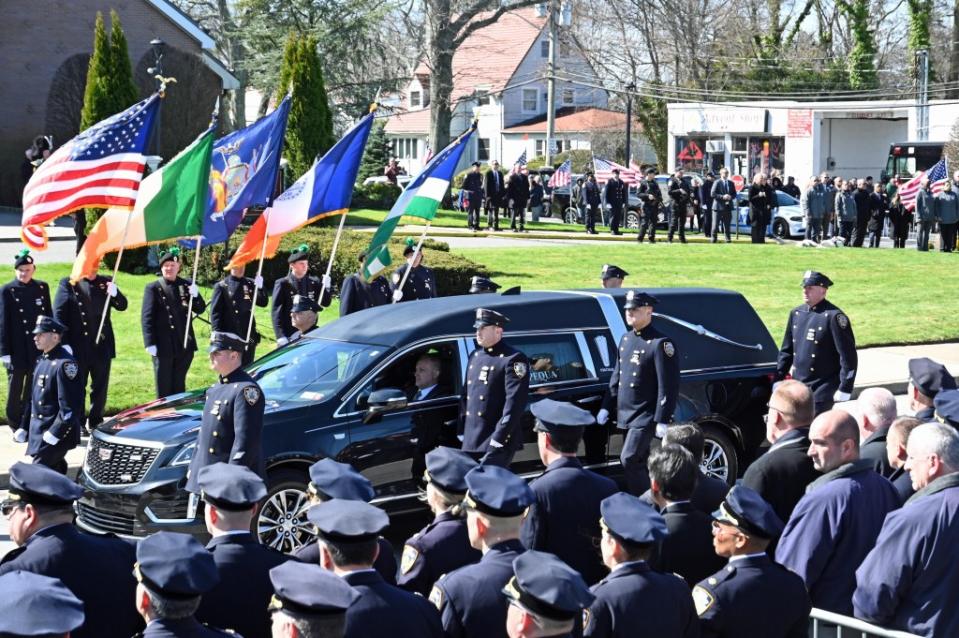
<point x="309" y="601"/>
<point x="495" y="393"/>
<point x="470" y="598"/>
<point x="34" y="605"/>
<point x="681" y="194"/>
<point x="79" y="307"/>
<point x="546" y="597"/>
<point x="615" y="193"/>
<point x="927" y="378"/>
<point x="752" y="595"/>
<point x="298" y="282"/>
<point x="564" y="518"/>
<point x="96" y="569"/>
<point x="495" y="186"/>
<point x="652" y="199"/>
<point x="643" y="388"/>
<point x="517" y="194"/>
<point x="357" y="294"/>
<point x="592" y="199"/>
<point x="347" y="533"/>
<point x="173" y="572"/>
<point x="819" y="347"/>
<point x="480" y="285"/>
<point x="232" y="304"/>
<point x="164" y="320"/>
<point x="230" y="495"/>
<point x="56" y="384"/>
<point x="232" y="424"/>
<point x="303" y="317"/>
<point x="420" y="284"/>
<point x="612" y="276"/>
<point x="634" y="601"/>
<point x="473" y="185"/>
<point x="444" y="544"/>
<point x="21" y="302"/>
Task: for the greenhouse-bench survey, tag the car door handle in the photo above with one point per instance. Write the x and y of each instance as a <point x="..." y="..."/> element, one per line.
<point x="339" y="436"/>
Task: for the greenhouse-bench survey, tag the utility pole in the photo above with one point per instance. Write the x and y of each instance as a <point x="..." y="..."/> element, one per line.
<point x="551" y="83"/>
<point x="922" y="95"/>
<point x="629" y="122"/>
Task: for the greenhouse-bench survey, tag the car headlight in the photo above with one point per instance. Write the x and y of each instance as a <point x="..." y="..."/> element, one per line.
<point x="185" y="455"/>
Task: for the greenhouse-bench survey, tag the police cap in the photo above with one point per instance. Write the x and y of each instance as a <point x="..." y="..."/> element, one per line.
<point x="486" y="317"/>
<point x="48" y="324"/>
<point x="447" y="468"/>
<point x="306" y="588"/>
<point x="230" y="487"/>
<point x="302" y="303"/>
<point x="33" y="483"/>
<point x="632" y="520"/>
<point x="172" y="254"/>
<point x="552" y="416"/>
<point x="35" y="605"/>
<point x="930" y="376"/>
<point x="548" y="587"/>
<point x="746" y="509"/>
<point x="175" y="565"/>
<point x="350" y="521"/>
<point x="813" y="278"/>
<point x="330" y="479"/>
<point x="639" y="299"/>
<point x="650" y="171"/>
<point x="613" y="272"/>
<point x="410" y="247"/>
<point x="226" y="341"/>
<point x="480" y="284"/>
<point x="300" y="253"/>
<point x="497" y="491"/>
<point x="23" y="258"/>
<point x="947" y="407"/>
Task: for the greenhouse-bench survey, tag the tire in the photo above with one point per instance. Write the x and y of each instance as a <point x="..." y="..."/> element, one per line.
<point x="781" y="229"/>
<point x="632" y="220"/>
<point x="281" y="522"/>
<point x="570" y="216"/>
<point x="720" y="457"/>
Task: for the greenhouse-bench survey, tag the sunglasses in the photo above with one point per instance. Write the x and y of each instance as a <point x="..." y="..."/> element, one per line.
<point x="7" y="507"/>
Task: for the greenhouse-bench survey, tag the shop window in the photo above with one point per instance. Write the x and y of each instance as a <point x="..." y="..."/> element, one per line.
<point x="766" y="154"/>
<point x="690" y="153"/>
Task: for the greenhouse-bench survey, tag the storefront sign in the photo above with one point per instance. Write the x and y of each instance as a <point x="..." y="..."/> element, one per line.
<point x="799" y="123"/>
<point x="868" y="115"/>
<point x="718" y="120"/>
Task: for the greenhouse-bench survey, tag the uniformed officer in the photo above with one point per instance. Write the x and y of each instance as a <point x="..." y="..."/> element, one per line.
<point x="34" y="605"/>
<point x="347" y="533"/>
<point x="232" y="425"/>
<point x="420" y="284"/>
<point x="357" y="294"/>
<point x="480" y="285"/>
<point x="546" y="596"/>
<point x="612" y="276"/>
<point x="444" y="544"/>
<point x="303" y="317"/>
<point x="230" y="495"/>
<point x="946" y="408"/>
<point x="495" y="393"/>
<point x="97" y="569"/>
<point x="643" y="388"/>
<point x="309" y="601"/>
<point x="752" y="595"/>
<point x="615" y="193"/>
<point x="564" y="518"/>
<point x="470" y="598"/>
<point x="53" y="416"/>
<point x="652" y="199"/>
<point x="21" y="302"/>
<point x="173" y="571"/>
<point x="634" y="601"/>
<point x="298" y="282"/>
<point x="79" y="307"/>
<point x="164" y="320"/>
<point x="231" y="305"/>
<point x="473" y="185"/>
<point x="819" y="347"/>
<point x="926" y="379"/>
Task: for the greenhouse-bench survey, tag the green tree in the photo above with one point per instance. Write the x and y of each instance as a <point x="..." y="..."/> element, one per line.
<point x="97" y="98"/>
<point x="309" y="130"/>
<point x="122" y="87"/>
<point x="862" y="55"/>
<point x="651" y="113"/>
<point x="376" y="154"/>
<point x="920" y="20"/>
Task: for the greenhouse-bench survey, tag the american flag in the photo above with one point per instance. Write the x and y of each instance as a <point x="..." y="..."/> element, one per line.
<point x="604" y="171"/>
<point x="101" y="168"/>
<point x="521" y="162"/>
<point x="937" y="178"/>
<point x="562" y="176"/>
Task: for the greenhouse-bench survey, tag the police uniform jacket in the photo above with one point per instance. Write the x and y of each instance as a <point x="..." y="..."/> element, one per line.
<point x="615" y="192"/>
<point x="564" y="518"/>
<point x="590" y="193"/>
<point x="421" y="284"/>
<point x="20" y="305"/>
<point x="231" y="304"/>
<point x="385" y="563"/>
<point x="874" y="449"/>
<point x="819" y="349"/>
<point x="901" y="480"/>
<point x="240" y="600"/>
<point x="232" y="426"/>
<point x="473" y="182"/>
<point x="753" y="596"/>
<point x="283" y="292"/>
<point x="56" y="402"/>
<point x="495" y="184"/>
<point x="709" y="493"/>
<point x="79" y="307"/>
<point x="164" y="316"/>
<point x="634" y="601"/>
<point x="650" y="195"/>
<point x="471" y="600"/>
<point x="781" y="475"/>
<point x="679" y="191"/>
<point x="908" y="581"/>
<point x="644" y="385"/>
<point x="183" y="628"/>
<point x="97" y="569"/>
<point x="687" y="550"/>
<point x="494" y="398"/>
<point x="386" y="610"/>
<point x="833" y="528"/>
<point x="437" y="549"/>
<point x="357" y="294"/>
<point x="517" y="189"/>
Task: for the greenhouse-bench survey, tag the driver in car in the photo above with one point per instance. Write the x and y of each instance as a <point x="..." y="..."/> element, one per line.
<point x="427" y="425"/>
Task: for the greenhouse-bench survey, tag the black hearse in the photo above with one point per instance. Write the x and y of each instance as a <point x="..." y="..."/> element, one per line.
<point x="341" y="393"/>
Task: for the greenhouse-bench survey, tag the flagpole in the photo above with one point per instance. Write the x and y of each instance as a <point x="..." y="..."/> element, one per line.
<point x="336" y="242"/>
<point x="259" y="274"/>
<point x="416" y="252"/>
<point x="116" y="270"/>
<point x="189" y="307"/>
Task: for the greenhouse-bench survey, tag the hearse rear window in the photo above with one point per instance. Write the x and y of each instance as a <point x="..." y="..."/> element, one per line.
<point x="552" y="358"/>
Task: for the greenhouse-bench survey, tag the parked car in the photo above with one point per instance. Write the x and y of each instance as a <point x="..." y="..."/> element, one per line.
<point x="561" y="209"/>
<point x="342" y="392"/>
<point x="788" y="221"/>
<point x="401" y="180"/>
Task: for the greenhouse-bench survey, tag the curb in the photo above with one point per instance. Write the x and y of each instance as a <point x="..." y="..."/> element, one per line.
<point x="11" y="240"/>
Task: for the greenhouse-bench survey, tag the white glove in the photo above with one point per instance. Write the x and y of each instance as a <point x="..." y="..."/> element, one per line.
<point x="282" y="341"/>
<point x="151" y="350"/>
<point x="602" y="416"/>
<point x="194" y="290"/>
<point x="112" y="289"/>
<point x="5" y="360"/>
<point x="495" y="444"/>
<point x="397" y="294"/>
<point x="49" y="438"/>
<point x="327" y="282"/>
<point x="661" y="430"/>
<point x="460" y="437"/>
<point x="841" y="396"/>
<point x="20" y="436"/>
<point x="258" y="281"/>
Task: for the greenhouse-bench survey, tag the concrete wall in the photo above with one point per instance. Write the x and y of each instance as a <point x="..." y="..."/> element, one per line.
<point x="857" y="147"/>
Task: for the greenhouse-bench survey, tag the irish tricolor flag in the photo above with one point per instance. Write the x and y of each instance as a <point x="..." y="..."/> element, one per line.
<point x="170" y="205"/>
<point x="420" y="199"/>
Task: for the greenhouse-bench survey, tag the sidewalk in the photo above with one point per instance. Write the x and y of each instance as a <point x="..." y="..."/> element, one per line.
<point x="60" y="230"/>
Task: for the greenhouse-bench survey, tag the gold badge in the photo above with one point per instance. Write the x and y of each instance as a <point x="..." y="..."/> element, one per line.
<point x="436" y="597"/>
<point x="668" y="348"/>
<point x="409" y="558"/>
<point x="251" y="394"/>
<point x="842" y="320"/>
<point x="519" y="369"/>
<point x="703" y="600"/>
<point x="586" y="618"/>
<point x="71" y="369"/>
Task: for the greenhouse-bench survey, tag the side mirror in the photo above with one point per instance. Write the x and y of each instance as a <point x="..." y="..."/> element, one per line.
<point x="382" y="401"/>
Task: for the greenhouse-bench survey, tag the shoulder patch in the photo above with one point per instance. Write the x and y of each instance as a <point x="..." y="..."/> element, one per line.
<point x="410" y="554"/>
<point x="251" y="394"/>
<point x="436" y="597"/>
<point x="519" y="369"/>
<point x="71" y="369"/>
<point x="669" y="348"/>
<point x="842" y="320"/>
<point x="703" y="599"/>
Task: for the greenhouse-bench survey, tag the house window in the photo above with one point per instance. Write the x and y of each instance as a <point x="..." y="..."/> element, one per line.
<point x="482" y="97"/>
<point x="544" y="48"/>
<point x="482" y="149"/>
<point x="530" y="100"/>
<point x="540" y="146"/>
<point x="414" y="99"/>
<point x="568" y="95"/>
<point x="405" y="148"/>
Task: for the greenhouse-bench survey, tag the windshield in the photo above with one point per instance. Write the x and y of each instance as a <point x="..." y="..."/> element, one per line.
<point x="785" y="199"/>
<point x="310" y="370"/>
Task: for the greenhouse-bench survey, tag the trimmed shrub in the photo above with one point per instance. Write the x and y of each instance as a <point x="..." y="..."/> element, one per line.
<point x="378" y="195"/>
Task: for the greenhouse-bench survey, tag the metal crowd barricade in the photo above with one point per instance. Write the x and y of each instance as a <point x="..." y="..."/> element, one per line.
<point x="825" y="624"/>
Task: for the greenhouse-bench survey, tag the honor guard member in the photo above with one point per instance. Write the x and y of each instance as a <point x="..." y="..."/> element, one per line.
<point x="303" y="317"/>
<point x="473" y="184"/>
<point x="164" y="320"/>
<point x="470" y="598"/>
<point x="752" y="595"/>
<point x="97" y="569"/>
<point x="420" y="284"/>
<point x="546" y="597"/>
<point x="819" y="347"/>
<point x="643" y="388"/>
<point x="232" y="426"/>
<point x="357" y="294"/>
<point x="443" y="545"/>
<point x="53" y="416"/>
<point x="495" y="393"/>
<point x="495" y="186"/>
<point x="347" y="533"/>
<point x="635" y="601"/>
<point x="230" y="495"/>
<point x="231" y="305"/>
<point x="564" y="518"/>
<point x="615" y="194"/>
<point x="480" y="285"/>
<point x="309" y="601"/>
<point x="21" y="302"/>
<point x="33" y="605"/>
<point x="331" y="480"/>
<point x="173" y="571"/>
<point x="926" y="379"/>
<point x="652" y="200"/>
<point x="79" y="307"/>
<point x="298" y="282"/>
<point x="612" y="276"/>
